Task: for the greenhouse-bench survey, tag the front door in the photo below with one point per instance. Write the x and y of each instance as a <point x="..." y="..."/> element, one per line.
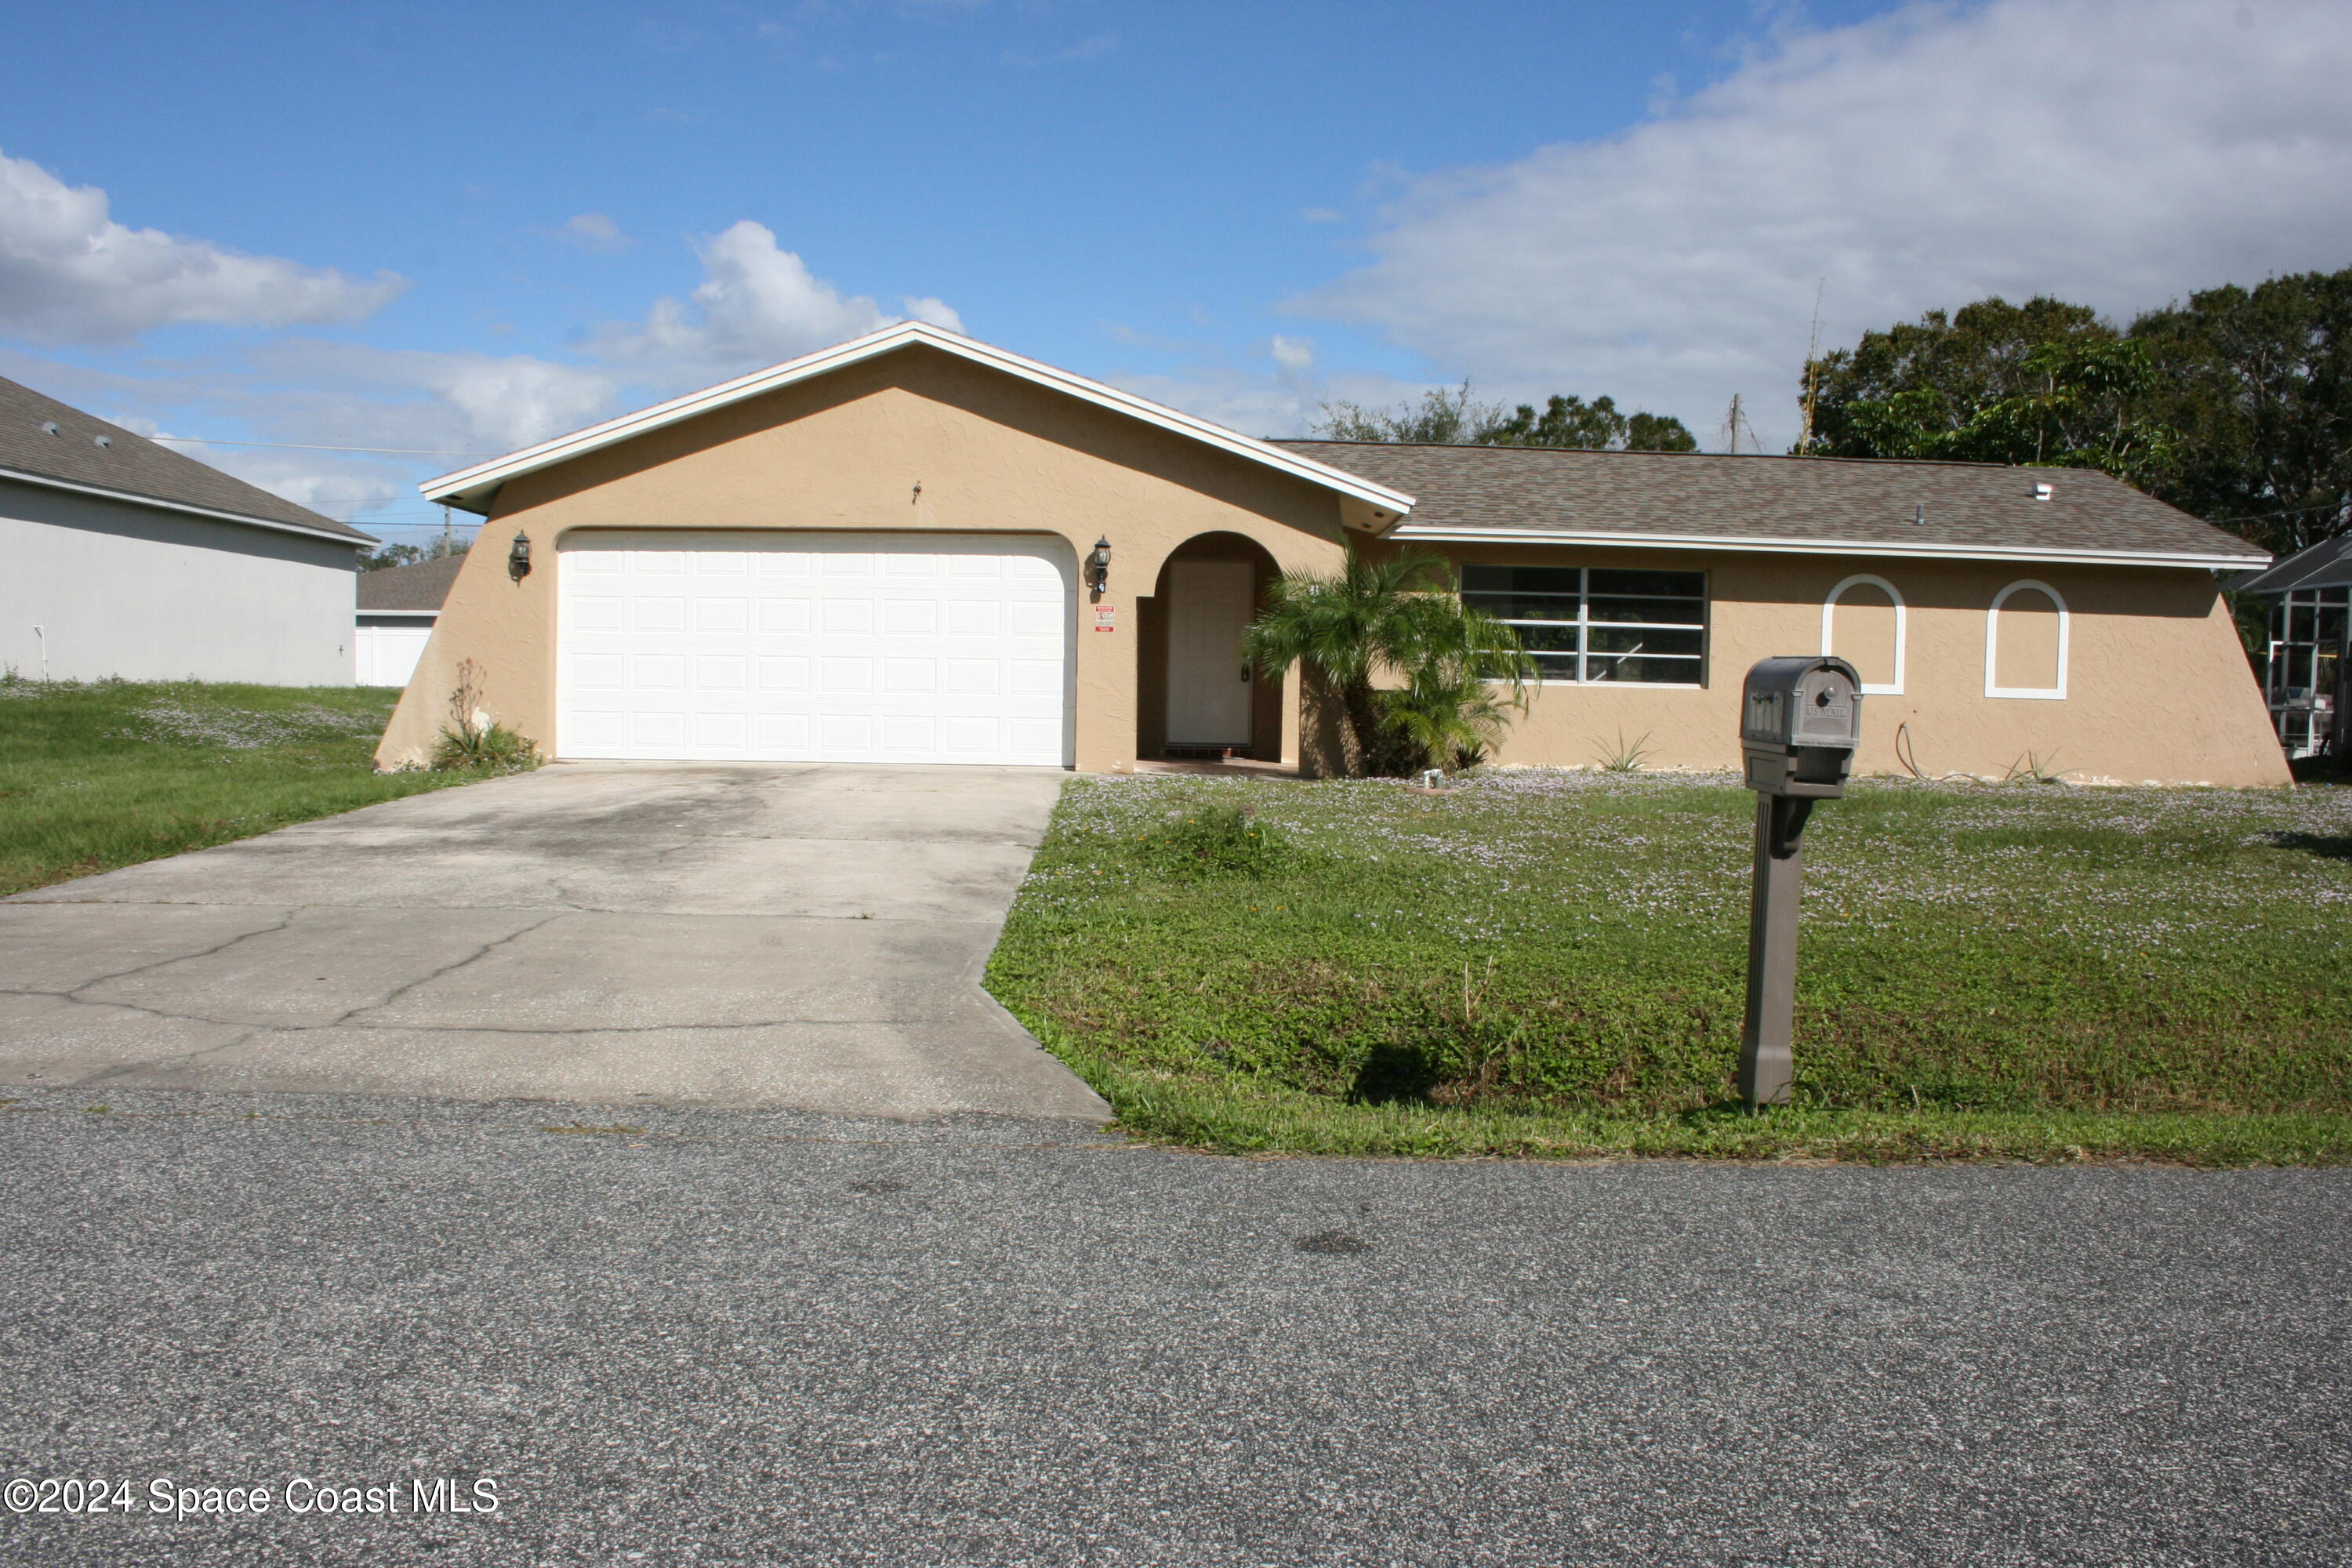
<point x="1208" y="608"/>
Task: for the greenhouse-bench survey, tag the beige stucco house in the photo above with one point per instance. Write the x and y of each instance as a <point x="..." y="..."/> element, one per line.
<point x="878" y="553"/>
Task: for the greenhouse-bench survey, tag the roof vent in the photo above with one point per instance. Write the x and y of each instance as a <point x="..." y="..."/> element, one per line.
<point x="2042" y="491"/>
<point x="103" y="440"/>
<point x="48" y="426"/>
<point x="1919" y="515"/>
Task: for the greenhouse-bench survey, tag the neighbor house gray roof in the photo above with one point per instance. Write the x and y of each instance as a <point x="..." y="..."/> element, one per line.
<point x="1810" y="505"/>
<point x="2327" y="564"/>
<point x="407" y="590"/>
<point x="126" y="465"/>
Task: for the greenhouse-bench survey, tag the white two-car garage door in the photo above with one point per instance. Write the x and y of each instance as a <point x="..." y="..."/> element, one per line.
<point x="853" y="648"/>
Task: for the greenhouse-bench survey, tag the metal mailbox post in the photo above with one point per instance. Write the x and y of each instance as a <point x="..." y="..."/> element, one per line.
<point x="1801" y="718"/>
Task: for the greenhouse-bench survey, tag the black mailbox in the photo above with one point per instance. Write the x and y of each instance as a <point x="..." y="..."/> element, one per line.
<point x="1800" y="720"/>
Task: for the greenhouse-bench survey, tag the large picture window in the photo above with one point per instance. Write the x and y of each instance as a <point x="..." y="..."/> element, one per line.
<point x="1588" y="624"/>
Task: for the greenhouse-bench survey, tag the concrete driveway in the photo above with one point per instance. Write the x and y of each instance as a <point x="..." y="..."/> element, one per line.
<point x="802" y="937"/>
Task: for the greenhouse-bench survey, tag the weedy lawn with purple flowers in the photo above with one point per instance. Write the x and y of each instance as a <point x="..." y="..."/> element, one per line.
<point x="1553" y="962"/>
<point x="109" y="773"/>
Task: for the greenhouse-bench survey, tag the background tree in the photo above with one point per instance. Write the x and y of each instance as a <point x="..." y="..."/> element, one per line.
<point x="2236" y="406"/>
<point x="2042" y="382"/>
<point x="2257" y="384"/>
<point x="442" y="547"/>
<point x="1453" y="417"/>
<point x="1416" y="677"/>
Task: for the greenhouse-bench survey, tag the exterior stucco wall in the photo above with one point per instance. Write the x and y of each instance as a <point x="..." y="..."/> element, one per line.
<point x="151" y="594"/>
<point x="2157" y="690"/>
<point x="914" y="440"/>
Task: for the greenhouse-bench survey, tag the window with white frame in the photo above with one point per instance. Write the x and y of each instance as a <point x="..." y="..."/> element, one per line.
<point x="1873" y="631"/>
<point x="1588" y="624"/>
<point x="2034" y="662"/>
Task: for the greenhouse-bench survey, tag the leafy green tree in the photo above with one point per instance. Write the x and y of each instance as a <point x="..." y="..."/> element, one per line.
<point x="2042" y="382"/>
<point x="1948" y="366"/>
<point x="2258" y="385"/>
<point x="2236" y="406"/>
<point x="2077" y="404"/>
<point x="1452" y="417"/>
<point x="1417" y="677"/>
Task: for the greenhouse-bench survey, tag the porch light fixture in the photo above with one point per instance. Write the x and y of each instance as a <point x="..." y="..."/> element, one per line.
<point x="518" y="557"/>
<point x="1098" y="565"/>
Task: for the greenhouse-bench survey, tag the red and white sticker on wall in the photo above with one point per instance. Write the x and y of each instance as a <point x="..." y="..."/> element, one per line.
<point x="1105" y="618"/>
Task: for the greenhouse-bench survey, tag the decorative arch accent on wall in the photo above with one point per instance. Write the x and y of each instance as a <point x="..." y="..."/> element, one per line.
<point x="1902" y="627"/>
<point x="1992" y="642"/>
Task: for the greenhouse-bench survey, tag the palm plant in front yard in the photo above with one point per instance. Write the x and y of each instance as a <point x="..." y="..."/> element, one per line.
<point x="1416" y="677"/>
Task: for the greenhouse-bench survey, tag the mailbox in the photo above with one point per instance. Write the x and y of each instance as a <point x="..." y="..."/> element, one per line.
<point x="1800" y="721"/>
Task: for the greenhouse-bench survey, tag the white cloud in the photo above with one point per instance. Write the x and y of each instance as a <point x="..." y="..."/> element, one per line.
<point x="2119" y="153"/>
<point x="757" y="305"/>
<point x="70" y="274"/>
<point x="408" y="397"/>
<point x="1295" y="355"/>
<point x="1320" y="214"/>
<point x="594" y="231"/>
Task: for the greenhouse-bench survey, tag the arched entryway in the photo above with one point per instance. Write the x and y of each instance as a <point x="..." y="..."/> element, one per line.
<point x="1195" y="699"/>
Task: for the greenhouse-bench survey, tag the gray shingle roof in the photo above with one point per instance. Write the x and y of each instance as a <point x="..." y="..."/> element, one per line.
<point x="419" y="586"/>
<point x="1804" y="502"/>
<point x="134" y="465"/>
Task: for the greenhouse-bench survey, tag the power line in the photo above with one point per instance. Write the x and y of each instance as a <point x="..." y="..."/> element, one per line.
<point x="295" y="447"/>
<point x="2287" y="512"/>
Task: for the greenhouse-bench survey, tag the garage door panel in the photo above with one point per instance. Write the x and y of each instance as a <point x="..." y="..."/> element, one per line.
<point x="723" y="672"/>
<point x="786" y="615"/>
<point x="783" y="674"/>
<point x="658" y="615"/>
<point x="849" y="617"/>
<point x="908" y="647"/>
<point x="723" y="614"/>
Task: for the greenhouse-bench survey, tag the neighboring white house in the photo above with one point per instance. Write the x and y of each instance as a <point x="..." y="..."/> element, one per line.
<point x="121" y="557"/>
<point x="398" y="608"/>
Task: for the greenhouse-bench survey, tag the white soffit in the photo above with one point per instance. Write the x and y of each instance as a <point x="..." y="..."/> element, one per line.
<point x="1750" y="543"/>
<point x="472" y="490"/>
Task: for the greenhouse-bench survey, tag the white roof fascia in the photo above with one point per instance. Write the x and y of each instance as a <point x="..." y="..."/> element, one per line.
<point x="1834" y="547"/>
<point x="135" y="499"/>
<point x="466" y="485"/>
<point x="426" y="614"/>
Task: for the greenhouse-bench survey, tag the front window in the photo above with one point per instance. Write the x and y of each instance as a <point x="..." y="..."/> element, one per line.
<point x="1586" y="624"/>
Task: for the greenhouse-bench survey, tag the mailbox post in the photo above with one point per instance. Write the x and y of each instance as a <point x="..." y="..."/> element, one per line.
<point x="1800" y="720"/>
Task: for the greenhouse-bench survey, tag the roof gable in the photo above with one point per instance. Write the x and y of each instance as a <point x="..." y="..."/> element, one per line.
<point x="473" y="488"/>
<point x="86" y="454"/>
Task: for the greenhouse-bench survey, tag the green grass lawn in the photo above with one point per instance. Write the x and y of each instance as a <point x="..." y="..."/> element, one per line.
<point x="108" y="773"/>
<point x="1553" y="963"/>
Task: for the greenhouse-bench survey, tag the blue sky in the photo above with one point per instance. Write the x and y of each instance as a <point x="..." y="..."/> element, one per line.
<point x="465" y="227"/>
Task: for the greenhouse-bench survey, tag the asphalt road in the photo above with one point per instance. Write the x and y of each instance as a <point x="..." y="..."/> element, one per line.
<point x="773" y="1337"/>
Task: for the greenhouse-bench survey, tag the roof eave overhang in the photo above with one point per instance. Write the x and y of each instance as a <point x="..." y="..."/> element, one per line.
<point x="475" y="489"/>
<point x="355" y="538"/>
<point x="1900" y="548"/>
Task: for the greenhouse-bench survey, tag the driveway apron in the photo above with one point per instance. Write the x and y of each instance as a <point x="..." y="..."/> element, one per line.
<point x="808" y="937"/>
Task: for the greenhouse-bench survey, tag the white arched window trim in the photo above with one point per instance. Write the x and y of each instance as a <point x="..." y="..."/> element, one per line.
<point x="1992" y="643"/>
<point x="1902" y="627"/>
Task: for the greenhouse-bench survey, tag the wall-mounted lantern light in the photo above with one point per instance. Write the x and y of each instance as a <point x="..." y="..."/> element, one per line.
<point x="1098" y="565"/>
<point x="518" y="557"/>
